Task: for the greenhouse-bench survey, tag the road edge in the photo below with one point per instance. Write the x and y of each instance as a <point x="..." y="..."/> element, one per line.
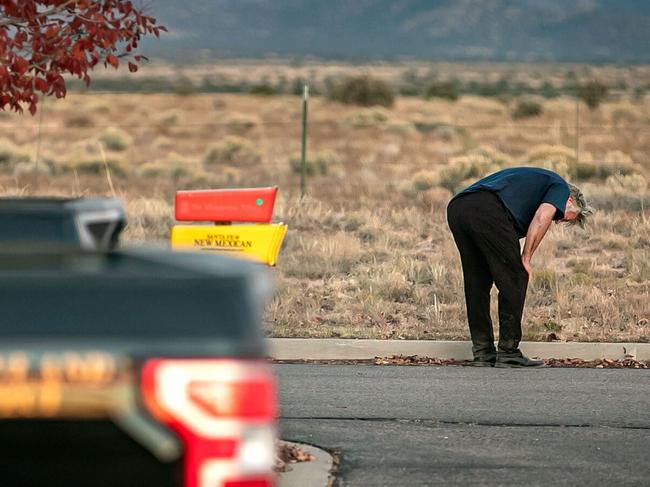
<point x="351" y="349"/>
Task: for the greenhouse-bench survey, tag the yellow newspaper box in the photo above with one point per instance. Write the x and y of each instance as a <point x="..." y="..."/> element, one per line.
<point x="259" y="242"/>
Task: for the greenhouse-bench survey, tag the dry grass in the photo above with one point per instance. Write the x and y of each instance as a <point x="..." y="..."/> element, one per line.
<point x="368" y="252"/>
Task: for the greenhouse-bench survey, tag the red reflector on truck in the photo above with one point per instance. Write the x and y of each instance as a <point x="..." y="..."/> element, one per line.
<point x="246" y="400"/>
<point x="249" y="483"/>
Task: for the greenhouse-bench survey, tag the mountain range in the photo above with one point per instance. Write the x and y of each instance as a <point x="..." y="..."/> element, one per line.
<point x="606" y="31"/>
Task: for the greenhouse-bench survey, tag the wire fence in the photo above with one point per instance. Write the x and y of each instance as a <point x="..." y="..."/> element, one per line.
<point x="426" y="127"/>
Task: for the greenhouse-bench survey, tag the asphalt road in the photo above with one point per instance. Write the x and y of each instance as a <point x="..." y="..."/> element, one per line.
<point x="421" y="426"/>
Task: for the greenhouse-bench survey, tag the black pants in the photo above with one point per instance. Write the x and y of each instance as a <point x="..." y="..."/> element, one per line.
<point x="489" y="251"/>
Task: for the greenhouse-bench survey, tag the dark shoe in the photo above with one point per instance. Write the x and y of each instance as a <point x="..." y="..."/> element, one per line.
<point x="516" y="359"/>
<point x="483" y="361"/>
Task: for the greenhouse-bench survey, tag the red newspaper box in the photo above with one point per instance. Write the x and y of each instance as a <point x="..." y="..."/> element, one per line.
<point x="226" y="205"/>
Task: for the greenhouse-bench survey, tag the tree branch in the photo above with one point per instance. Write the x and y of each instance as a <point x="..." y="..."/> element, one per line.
<point x="54" y="10"/>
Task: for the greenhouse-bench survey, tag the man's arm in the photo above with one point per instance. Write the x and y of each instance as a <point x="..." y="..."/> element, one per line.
<point x="536" y="231"/>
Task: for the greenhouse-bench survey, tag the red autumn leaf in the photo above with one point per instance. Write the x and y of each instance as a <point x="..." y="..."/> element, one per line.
<point x="112" y="60"/>
<point x="51" y="31"/>
<point x="78" y="52"/>
<point x="41" y="85"/>
<point x="20" y="65"/>
<point x="133" y="67"/>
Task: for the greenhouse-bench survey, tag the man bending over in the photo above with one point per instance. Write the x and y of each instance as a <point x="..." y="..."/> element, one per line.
<point x="487" y="219"/>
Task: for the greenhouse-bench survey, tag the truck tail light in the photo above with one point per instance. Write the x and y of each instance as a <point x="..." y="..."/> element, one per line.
<point x="224" y="411"/>
<point x="252" y="399"/>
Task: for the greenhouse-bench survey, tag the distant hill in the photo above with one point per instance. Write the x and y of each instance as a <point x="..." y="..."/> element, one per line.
<point x="488" y="30"/>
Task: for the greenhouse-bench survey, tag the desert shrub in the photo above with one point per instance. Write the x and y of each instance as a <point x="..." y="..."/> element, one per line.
<point x="219" y="104"/>
<point x="459" y="170"/>
<point x="317" y="163"/>
<point x="80" y="120"/>
<point x="462" y="169"/>
<point x="391" y="284"/>
<point x="527" y="109"/>
<point x="371" y="117"/>
<point x="422" y="272"/>
<point x="411" y="83"/>
<point x="297" y="87"/>
<point x="262" y="89"/>
<point x="162" y="143"/>
<point x="116" y="139"/>
<point x="544" y="279"/>
<point x="558" y="158"/>
<point x="170" y="118"/>
<point x="583" y="171"/>
<point x="174" y="168"/>
<point x="152" y="170"/>
<point x="547" y="90"/>
<point x="581" y="279"/>
<point x="552" y="326"/>
<point x="541" y="152"/>
<point x="580" y="266"/>
<point x="619" y="157"/>
<point x="233" y="151"/>
<point x="602" y="171"/>
<point x="634" y="184"/>
<point x="620" y="192"/>
<point x="96" y="166"/>
<point x="231" y="175"/>
<point x="424" y="180"/>
<point x="589" y="170"/>
<point x="362" y="90"/>
<point x="562" y="160"/>
<point x="238" y="121"/>
<point x="435" y="199"/>
<point x="619" y="163"/>
<point x="447" y="90"/>
<point x="400" y="126"/>
<point x="31" y="167"/>
<point x="11" y="154"/>
<point x="441" y="130"/>
<point x="407" y="89"/>
<point x="46" y="166"/>
<point x="593" y="93"/>
<point x="625" y="115"/>
<point x="83" y="148"/>
<point x="496" y="157"/>
<point x="499" y="88"/>
<point x="184" y="87"/>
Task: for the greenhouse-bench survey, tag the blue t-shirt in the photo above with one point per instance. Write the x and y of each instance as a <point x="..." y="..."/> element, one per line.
<point x="522" y="190"/>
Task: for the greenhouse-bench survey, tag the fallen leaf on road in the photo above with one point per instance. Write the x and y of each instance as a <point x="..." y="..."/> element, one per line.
<point x="605" y="363"/>
<point x="626" y="363"/>
<point x="287" y="454"/>
<point x="414" y="360"/>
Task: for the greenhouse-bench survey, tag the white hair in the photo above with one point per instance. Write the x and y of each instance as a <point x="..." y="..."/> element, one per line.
<point x="580" y="205"/>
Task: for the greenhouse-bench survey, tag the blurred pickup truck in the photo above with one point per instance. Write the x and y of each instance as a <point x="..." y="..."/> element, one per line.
<point x="127" y="367"/>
